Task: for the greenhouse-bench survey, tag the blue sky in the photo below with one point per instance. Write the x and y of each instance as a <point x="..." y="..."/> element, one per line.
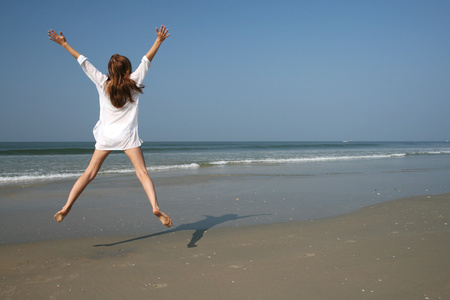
<point x="234" y="70"/>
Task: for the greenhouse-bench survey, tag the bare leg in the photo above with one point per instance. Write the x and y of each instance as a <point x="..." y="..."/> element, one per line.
<point x="137" y="159"/>
<point x="97" y="160"/>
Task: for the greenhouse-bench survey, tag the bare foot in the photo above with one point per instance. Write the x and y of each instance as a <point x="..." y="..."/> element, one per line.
<point x="163" y="218"/>
<point x="60" y="215"/>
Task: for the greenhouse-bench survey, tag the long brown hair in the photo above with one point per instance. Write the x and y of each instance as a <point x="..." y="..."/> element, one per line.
<point x="119" y="86"/>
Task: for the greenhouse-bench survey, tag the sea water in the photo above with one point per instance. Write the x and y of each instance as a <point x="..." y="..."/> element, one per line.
<point x="22" y="163"/>
<point x="209" y="184"/>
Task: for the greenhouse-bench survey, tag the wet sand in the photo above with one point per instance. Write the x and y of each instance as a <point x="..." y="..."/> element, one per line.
<point x="394" y="250"/>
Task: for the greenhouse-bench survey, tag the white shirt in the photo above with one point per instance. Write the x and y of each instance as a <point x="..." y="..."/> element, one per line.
<point x="117" y="128"/>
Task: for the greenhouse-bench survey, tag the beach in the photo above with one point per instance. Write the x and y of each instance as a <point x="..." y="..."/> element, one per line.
<point x="250" y="220"/>
<point x="393" y="250"/>
<point x="323" y="174"/>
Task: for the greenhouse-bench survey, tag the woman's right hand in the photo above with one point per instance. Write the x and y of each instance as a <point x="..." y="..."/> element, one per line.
<point x="59" y="39"/>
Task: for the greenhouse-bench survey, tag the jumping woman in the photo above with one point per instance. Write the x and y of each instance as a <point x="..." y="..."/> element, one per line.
<point x="117" y="128"/>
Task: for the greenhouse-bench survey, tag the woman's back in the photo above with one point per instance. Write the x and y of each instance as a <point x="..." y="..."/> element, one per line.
<point x="117" y="127"/>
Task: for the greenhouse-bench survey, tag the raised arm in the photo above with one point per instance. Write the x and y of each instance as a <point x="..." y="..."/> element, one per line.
<point x="61" y="39"/>
<point x="161" y="35"/>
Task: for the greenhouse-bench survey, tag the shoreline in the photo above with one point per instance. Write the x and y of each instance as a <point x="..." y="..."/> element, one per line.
<point x="231" y="196"/>
<point x="397" y="249"/>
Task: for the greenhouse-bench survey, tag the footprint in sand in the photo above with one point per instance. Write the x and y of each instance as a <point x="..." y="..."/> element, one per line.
<point x="73" y="276"/>
<point x="198" y="255"/>
<point x="244" y="244"/>
<point x="306" y="255"/>
<point x="235" y="267"/>
<point x="40" y="279"/>
<point x="309" y="255"/>
<point x="290" y="236"/>
<point x="158" y="285"/>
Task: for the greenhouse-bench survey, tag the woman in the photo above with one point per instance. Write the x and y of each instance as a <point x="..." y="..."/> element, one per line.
<point x="117" y="128"/>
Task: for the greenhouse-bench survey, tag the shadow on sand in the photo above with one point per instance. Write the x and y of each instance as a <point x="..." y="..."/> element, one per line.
<point x="199" y="228"/>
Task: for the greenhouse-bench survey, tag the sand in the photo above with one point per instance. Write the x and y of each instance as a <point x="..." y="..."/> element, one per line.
<point x="395" y="250"/>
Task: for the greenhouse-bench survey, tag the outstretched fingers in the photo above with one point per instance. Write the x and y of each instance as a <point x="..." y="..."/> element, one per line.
<point x="162" y="32"/>
<point x="55" y="37"/>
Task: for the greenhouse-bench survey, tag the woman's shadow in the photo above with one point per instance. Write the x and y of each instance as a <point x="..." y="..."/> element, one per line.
<point x="200" y="228"/>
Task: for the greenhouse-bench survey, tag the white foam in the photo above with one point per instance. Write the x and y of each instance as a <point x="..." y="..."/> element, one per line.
<point x="27" y="178"/>
<point x="398" y="155"/>
<point x="172" y="167"/>
<point x="155" y="168"/>
<point x="435" y="152"/>
<point x="40" y="177"/>
<point x="306" y="159"/>
<point x="117" y="171"/>
<point x="221" y="162"/>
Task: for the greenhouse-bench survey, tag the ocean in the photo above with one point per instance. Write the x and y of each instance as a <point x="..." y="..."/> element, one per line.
<point x="22" y="163"/>
<point x="201" y="185"/>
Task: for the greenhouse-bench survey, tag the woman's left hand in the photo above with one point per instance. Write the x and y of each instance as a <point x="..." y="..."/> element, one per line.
<point x="162" y="33"/>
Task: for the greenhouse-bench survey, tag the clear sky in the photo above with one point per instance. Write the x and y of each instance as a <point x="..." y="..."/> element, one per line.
<point x="234" y="70"/>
